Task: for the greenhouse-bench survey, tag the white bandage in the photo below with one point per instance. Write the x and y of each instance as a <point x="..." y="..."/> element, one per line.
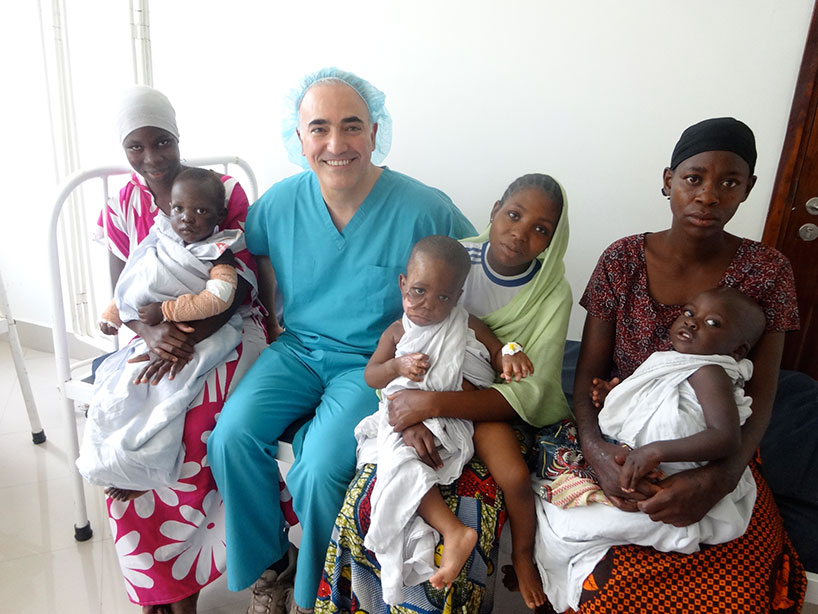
<point x="220" y="289"/>
<point x="511" y="348"/>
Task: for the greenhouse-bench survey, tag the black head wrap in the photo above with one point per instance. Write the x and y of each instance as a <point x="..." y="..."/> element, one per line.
<point x="716" y="134"/>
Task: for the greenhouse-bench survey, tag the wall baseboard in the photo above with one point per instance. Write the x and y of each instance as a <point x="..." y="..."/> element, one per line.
<point x="39" y="337"/>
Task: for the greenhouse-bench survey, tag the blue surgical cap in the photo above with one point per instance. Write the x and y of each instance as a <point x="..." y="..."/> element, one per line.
<point x="371" y="95"/>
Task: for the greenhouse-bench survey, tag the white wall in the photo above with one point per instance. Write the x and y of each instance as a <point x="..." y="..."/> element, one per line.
<point x="595" y="93"/>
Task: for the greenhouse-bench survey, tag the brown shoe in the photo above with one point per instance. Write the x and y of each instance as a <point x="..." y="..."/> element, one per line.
<point x="297" y="609"/>
<point x="272" y="592"/>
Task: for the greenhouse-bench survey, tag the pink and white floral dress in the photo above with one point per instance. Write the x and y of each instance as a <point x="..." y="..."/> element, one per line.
<point x="170" y="541"/>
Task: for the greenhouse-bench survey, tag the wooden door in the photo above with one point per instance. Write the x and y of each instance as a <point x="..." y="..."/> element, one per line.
<point x="790" y="216"/>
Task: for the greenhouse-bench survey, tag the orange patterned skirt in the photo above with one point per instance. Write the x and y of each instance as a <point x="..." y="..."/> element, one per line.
<point x="756" y="573"/>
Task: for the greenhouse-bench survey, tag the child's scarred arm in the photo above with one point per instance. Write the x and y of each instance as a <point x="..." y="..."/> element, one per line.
<point x="213" y="300"/>
<point x="721" y="437"/>
<point x="383" y="366"/>
<point x="109" y="321"/>
<point x="511" y="364"/>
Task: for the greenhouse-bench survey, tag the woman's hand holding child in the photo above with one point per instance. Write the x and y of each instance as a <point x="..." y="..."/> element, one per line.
<point x="639" y="463"/>
<point x="409" y="407"/>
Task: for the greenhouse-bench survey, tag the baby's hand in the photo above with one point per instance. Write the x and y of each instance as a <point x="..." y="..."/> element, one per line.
<point x="413" y="366"/>
<point x="600" y="389"/>
<point x="151" y="314"/>
<point x="107" y="328"/>
<point x="639" y="463"/>
<point x="516" y="367"/>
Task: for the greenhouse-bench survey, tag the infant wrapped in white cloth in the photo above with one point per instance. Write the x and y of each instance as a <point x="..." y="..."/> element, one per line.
<point x="655" y="403"/>
<point x="133" y="437"/>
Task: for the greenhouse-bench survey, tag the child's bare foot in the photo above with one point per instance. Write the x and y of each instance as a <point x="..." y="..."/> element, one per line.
<point x="122" y="494"/>
<point x="457" y="546"/>
<point x="529" y="581"/>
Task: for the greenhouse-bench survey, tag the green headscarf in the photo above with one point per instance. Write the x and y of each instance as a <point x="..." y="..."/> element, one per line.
<point x="537" y="317"/>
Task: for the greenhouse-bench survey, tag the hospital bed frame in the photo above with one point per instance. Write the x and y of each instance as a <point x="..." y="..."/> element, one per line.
<point x="74" y="381"/>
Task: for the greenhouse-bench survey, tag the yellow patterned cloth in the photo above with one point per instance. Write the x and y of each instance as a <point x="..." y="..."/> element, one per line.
<point x="351" y="578"/>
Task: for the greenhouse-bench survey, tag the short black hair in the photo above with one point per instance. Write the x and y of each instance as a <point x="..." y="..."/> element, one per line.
<point x="445" y="249"/>
<point x="749" y="314"/>
<point x="208" y="181"/>
<point x="545" y="183"/>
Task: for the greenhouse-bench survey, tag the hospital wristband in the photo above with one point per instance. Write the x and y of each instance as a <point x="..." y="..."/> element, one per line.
<point x="511" y="348"/>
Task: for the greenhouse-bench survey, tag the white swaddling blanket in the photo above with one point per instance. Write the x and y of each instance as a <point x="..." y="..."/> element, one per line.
<point x="655" y="403"/>
<point x="402" y="541"/>
<point x="133" y="436"/>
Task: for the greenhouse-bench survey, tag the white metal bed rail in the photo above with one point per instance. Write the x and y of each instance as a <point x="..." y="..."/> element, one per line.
<point x="71" y="388"/>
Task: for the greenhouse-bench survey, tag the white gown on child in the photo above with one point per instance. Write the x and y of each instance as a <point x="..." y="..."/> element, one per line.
<point x="133" y="436"/>
<point x="655" y="403"/>
<point x="402" y="541"/>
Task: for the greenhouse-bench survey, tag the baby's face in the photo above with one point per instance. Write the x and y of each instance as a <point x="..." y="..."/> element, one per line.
<point x="430" y="290"/>
<point x="193" y="211"/>
<point x="707" y="325"/>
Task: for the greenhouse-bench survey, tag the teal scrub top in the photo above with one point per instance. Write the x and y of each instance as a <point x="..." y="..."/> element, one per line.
<point x="340" y="289"/>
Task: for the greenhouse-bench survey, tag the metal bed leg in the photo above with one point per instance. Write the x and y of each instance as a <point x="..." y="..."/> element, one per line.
<point x="7" y="324"/>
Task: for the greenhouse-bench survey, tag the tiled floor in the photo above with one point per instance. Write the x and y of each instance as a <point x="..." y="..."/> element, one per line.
<point x="42" y="568"/>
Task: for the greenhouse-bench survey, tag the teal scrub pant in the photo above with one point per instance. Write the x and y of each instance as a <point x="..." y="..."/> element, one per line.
<point x="286" y="383"/>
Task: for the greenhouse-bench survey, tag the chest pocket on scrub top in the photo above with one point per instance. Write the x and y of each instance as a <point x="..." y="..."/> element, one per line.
<point x="382" y="289"/>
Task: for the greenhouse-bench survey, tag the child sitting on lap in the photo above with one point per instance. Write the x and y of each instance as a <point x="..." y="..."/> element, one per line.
<point x="183" y="271"/>
<point x="437" y="345"/>
<point x="679" y="409"/>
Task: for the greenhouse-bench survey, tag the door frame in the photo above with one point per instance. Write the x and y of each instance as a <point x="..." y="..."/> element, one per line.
<point x="799" y="130"/>
<point x="804" y="102"/>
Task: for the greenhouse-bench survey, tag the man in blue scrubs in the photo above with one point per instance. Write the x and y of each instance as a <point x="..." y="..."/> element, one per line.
<point x="337" y="235"/>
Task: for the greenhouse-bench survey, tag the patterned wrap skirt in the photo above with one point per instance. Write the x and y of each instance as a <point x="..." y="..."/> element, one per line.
<point x="351" y="578"/>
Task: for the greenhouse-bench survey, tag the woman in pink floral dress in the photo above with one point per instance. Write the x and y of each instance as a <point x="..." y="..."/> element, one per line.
<point x="170" y="541"/>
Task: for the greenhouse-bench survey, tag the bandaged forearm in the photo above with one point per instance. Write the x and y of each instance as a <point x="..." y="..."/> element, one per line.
<point x="213" y="300"/>
<point x="111" y="315"/>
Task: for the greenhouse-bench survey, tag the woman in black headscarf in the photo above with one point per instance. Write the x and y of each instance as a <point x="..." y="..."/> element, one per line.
<point x="640" y="285"/>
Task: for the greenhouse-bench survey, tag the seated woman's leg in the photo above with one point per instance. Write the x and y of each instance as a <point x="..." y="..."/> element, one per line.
<point x="324" y="465"/>
<point x="277" y="390"/>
